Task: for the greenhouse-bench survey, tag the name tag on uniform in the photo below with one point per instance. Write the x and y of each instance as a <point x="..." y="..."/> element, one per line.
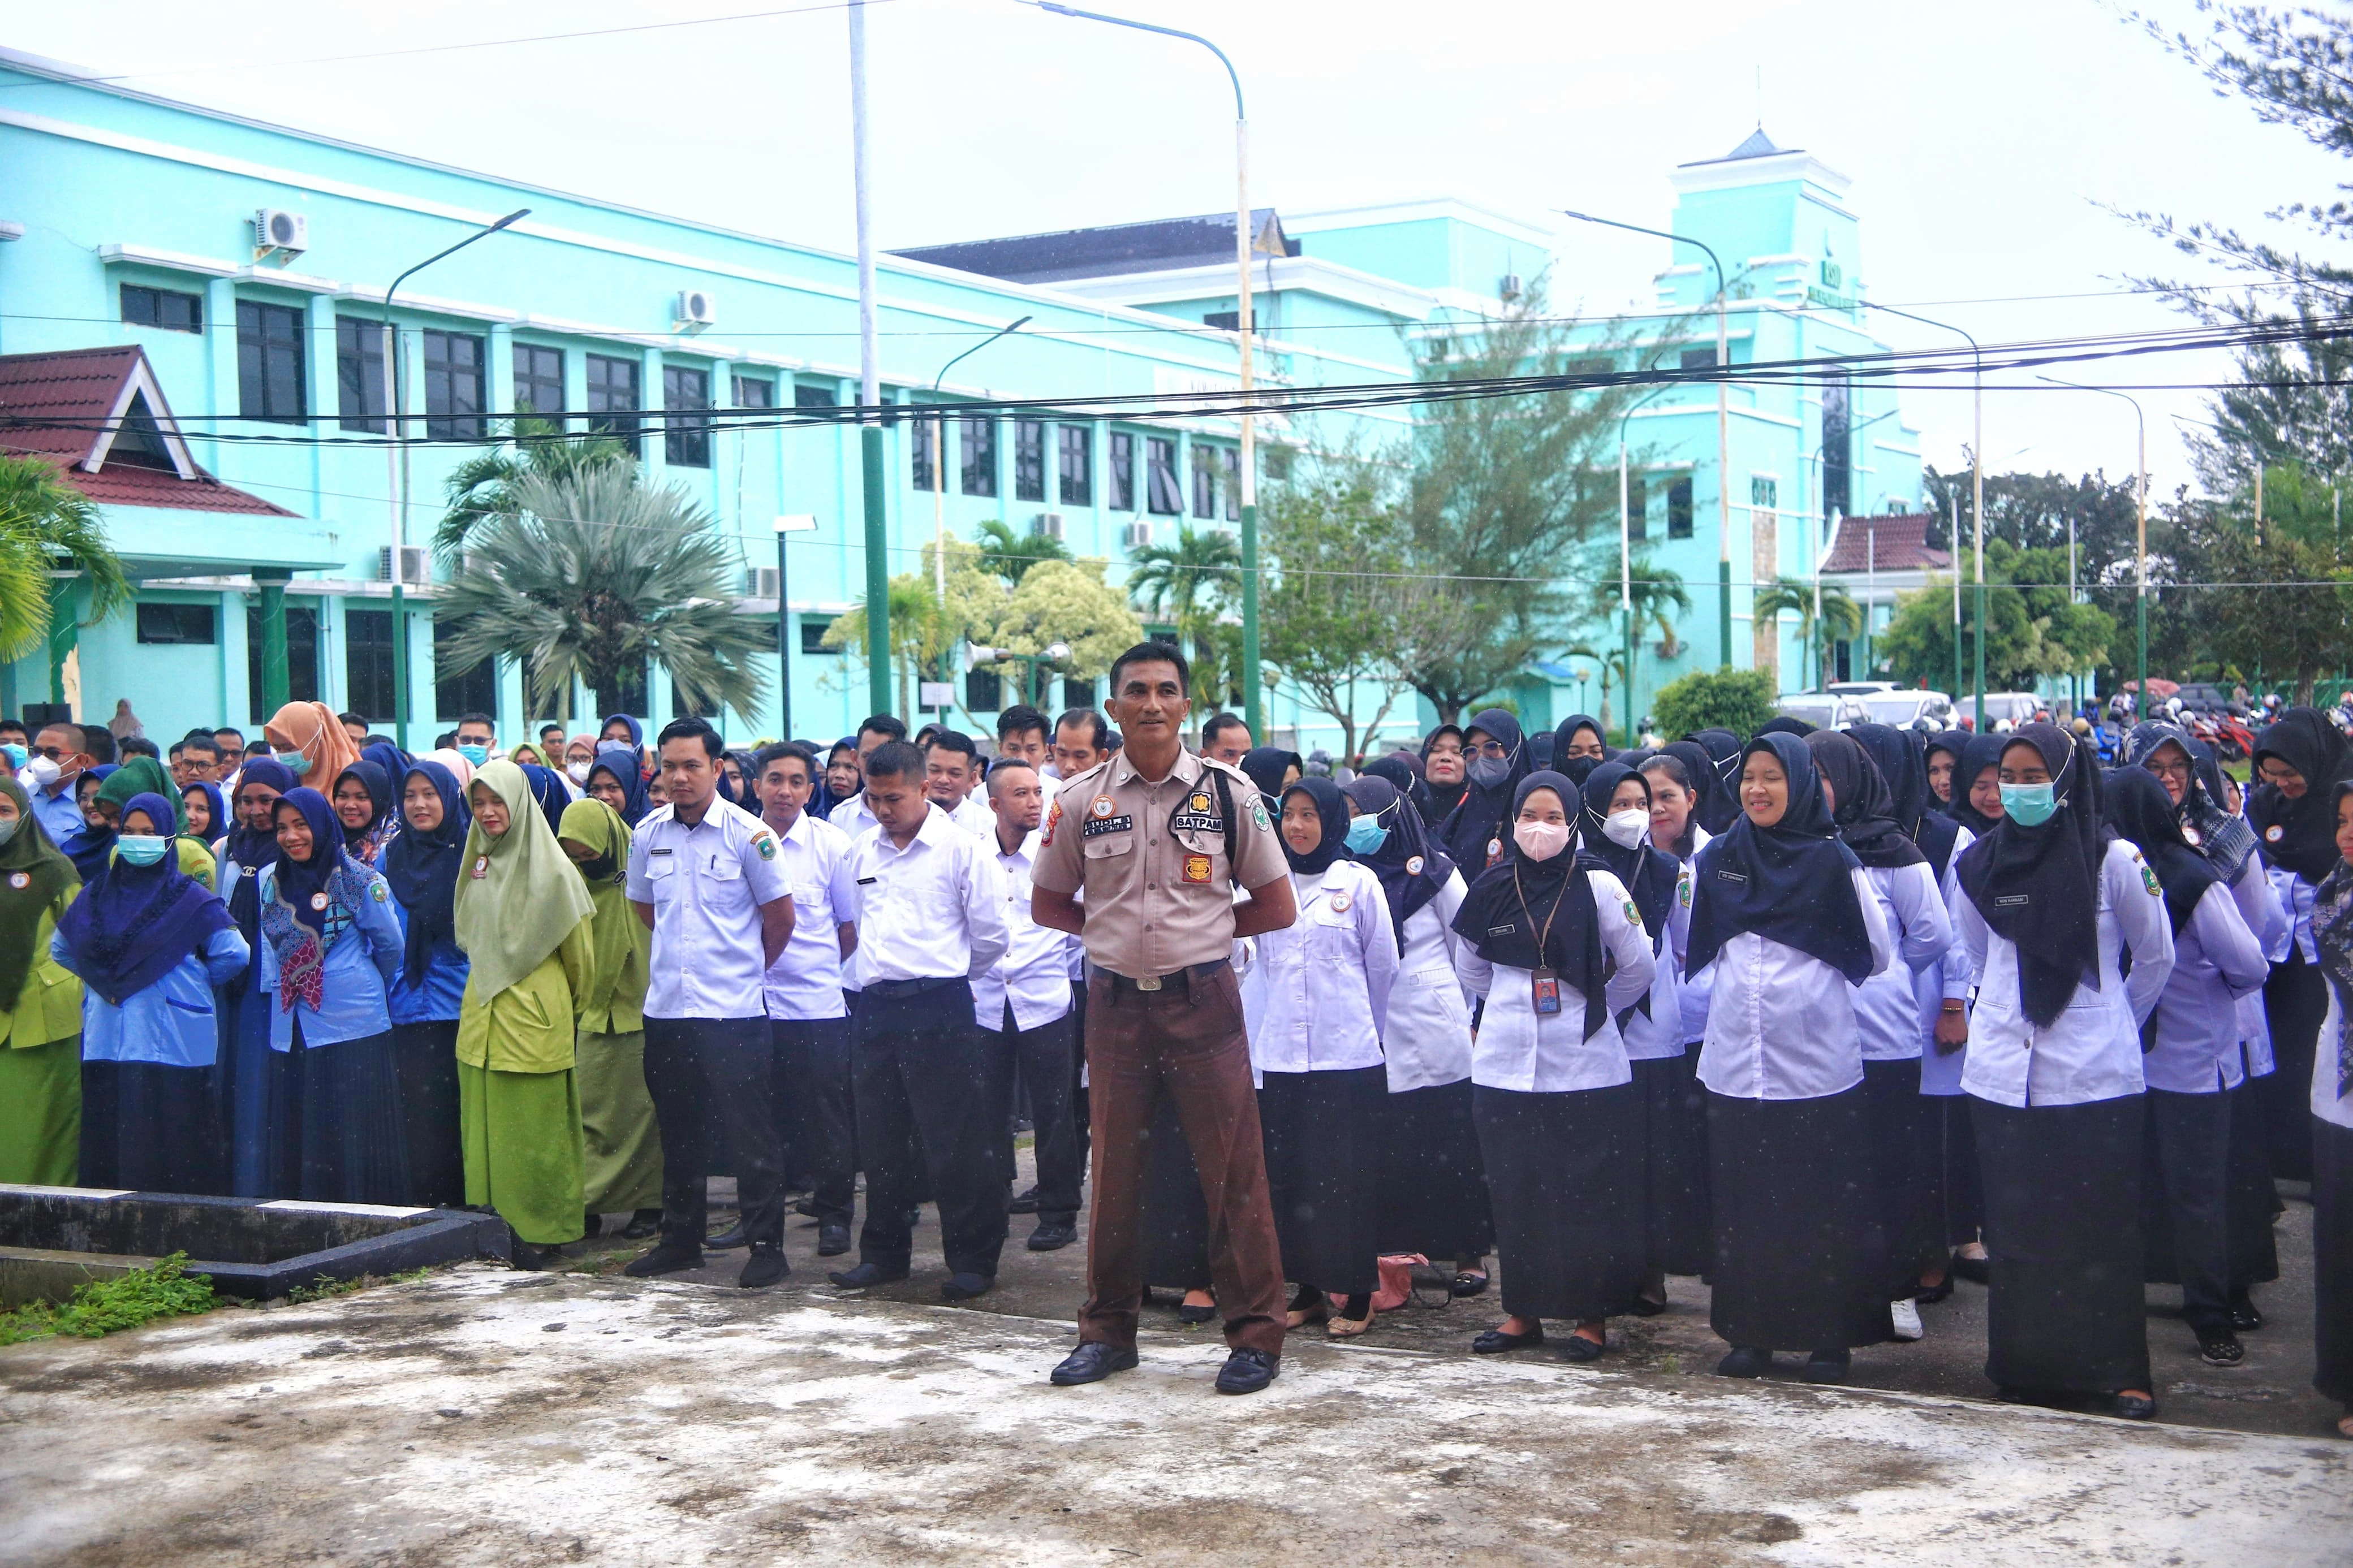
<point x="2014" y="900"/>
<point x="1098" y="825"/>
<point x="657" y="851"/>
<point x="867" y="882"/>
<point x="1500" y="931"/>
<point x="1734" y="876"/>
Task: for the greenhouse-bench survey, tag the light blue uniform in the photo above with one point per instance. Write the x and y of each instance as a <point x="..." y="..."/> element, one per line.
<point x="170" y="1024"/>
<point x="446" y="968"/>
<point x="360" y="965"/>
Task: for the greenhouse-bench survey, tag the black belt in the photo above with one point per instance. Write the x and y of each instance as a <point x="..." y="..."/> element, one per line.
<point x="889" y="989"/>
<point x="1159" y="982"/>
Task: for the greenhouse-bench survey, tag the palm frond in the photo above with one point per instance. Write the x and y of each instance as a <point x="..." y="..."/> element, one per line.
<point x="50" y="526"/>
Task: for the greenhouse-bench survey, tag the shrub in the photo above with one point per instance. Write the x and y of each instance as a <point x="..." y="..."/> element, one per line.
<point x="1734" y="700"/>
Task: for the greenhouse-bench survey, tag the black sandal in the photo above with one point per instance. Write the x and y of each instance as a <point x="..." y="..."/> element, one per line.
<point x="1468" y="1283"/>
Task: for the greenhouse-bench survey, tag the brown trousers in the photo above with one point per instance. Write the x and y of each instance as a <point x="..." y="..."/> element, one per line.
<point x="1186" y="1041"/>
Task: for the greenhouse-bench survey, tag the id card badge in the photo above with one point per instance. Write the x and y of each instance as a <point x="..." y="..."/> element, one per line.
<point x="1544" y="984"/>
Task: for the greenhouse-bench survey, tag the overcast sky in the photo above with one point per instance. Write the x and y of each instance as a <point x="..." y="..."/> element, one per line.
<point x="1983" y="139"/>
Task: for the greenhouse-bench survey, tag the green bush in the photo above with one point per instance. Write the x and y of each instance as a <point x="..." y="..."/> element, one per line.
<point x="128" y="1301"/>
<point x="1734" y="700"/>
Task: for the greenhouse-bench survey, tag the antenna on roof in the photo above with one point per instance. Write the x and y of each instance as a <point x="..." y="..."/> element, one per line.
<point x="1761" y="98"/>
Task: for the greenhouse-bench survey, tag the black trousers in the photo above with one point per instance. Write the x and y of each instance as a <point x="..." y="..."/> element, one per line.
<point x="712" y="1082"/>
<point x="2186" y="1192"/>
<point x="1044" y="1059"/>
<point x="2296" y="1000"/>
<point x="922" y="1084"/>
<point x="813" y="1114"/>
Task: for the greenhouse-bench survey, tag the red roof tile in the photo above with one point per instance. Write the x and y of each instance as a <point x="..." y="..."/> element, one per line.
<point x="1890" y="541"/>
<point x="57" y="406"/>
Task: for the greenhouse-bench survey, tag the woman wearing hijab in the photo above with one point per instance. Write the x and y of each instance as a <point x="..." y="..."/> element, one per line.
<point x="1615" y="833"/>
<point x="1977" y="785"/>
<point x="622" y="1145"/>
<point x="40" y="1005"/>
<point x="364" y="803"/>
<point x="454" y="761"/>
<point x="150" y="944"/>
<point x="1273" y="769"/>
<point x="524" y="919"/>
<point x="2296" y="762"/>
<point x="1401" y="771"/>
<point x="1443" y="771"/>
<point x="312" y="742"/>
<point x="331" y="947"/>
<point x="1682" y="779"/>
<point x="1432" y="1187"/>
<point x="1941" y="761"/>
<point x="1789" y="918"/>
<point x="206" y="813"/>
<point x="620" y="728"/>
<point x="1552" y="1092"/>
<point x="1719" y="807"/>
<point x="146" y="776"/>
<point x="1579" y="746"/>
<point x="1495" y="761"/>
<point x="248" y="1067"/>
<point x="422" y="865"/>
<point x="2193" y="1061"/>
<point x="2050" y="903"/>
<point x="1888" y="1012"/>
<point x="525" y="754"/>
<point x="2332" y="1124"/>
<point x="89" y="848"/>
<point x="615" y="779"/>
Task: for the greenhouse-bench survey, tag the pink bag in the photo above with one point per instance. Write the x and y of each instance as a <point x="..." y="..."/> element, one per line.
<point x="1396" y="1282"/>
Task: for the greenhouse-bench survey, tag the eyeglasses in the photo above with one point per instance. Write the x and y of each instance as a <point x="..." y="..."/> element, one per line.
<point x="54" y="753"/>
<point x="1494" y="751"/>
<point x="2170" y="769"/>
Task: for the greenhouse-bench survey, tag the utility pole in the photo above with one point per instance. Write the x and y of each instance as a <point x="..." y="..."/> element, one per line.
<point x="1954" y="540"/>
<point x="1977" y="502"/>
<point x="874" y="470"/>
<point x="2141" y="537"/>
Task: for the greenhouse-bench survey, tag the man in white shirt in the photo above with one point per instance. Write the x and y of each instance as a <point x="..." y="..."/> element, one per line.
<point x="1081" y="740"/>
<point x="931" y="915"/>
<point x="951" y="769"/>
<point x="852" y="815"/>
<point x="707" y="879"/>
<point x="1224" y="739"/>
<point x="807" y="1015"/>
<point x="1021" y="733"/>
<point x="1023" y="1009"/>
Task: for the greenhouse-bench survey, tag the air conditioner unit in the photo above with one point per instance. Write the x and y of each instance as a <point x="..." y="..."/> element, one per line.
<point x="760" y="583"/>
<point x="276" y="230"/>
<point x="695" y="310"/>
<point x="1508" y="286"/>
<point x="412" y="564"/>
<point x="1047" y="525"/>
<point x="1136" y="535"/>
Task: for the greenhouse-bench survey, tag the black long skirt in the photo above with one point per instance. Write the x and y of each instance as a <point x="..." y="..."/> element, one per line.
<point x="2332" y="1260"/>
<point x="1320" y="1129"/>
<point x="2296" y="1000"/>
<point x="2252" y="1201"/>
<point x="151" y="1129"/>
<point x="338" y="1137"/>
<point x="1432" y="1185"/>
<point x="425" y="1057"/>
<point x="1671" y="1127"/>
<point x="1799" y="1259"/>
<point x="1567" y="1203"/>
<point x="2067" y="1312"/>
<point x="1900" y="1148"/>
<point x="1956" y="1194"/>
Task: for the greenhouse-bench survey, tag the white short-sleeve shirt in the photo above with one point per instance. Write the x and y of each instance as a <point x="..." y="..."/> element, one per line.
<point x="706" y="884"/>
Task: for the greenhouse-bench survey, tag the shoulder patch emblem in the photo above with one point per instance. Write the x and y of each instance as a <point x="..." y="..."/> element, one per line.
<point x="1633" y="915"/>
<point x="1200" y="802"/>
<point x="768" y="846"/>
<point x="1053" y="816"/>
<point x="1258" y="816"/>
<point x="1683" y="890"/>
<point x="378" y="891"/>
<point x="2149" y="880"/>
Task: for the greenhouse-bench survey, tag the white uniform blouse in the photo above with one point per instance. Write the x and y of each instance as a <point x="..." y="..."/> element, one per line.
<point x="1949" y="977"/>
<point x="2335" y="1109"/>
<point x="1781" y="1024"/>
<point x="1521" y="1049"/>
<point x="1427" y="1035"/>
<point x="1887" y="1006"/>
<point x="1659" y="1034"/>
<point x="1692" y="990"/>
<point x="1316" y="995"/>
<point x="2091" y="1050"/>
<point x="2216" y="961"/>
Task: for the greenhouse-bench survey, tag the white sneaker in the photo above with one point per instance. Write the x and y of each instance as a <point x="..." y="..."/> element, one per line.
<point x="1907" y="1320"/>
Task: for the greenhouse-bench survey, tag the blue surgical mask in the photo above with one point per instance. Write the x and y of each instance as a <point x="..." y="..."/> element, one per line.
<point x="477" y="755"/>
<point x="1366" y="835"/>
<point x="18" y="755"/>
<point x="141" y="850"/>
<point x="2029" y="805"/>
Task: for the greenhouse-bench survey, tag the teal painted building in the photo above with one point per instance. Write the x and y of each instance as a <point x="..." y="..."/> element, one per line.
<point x="248" y="264"/>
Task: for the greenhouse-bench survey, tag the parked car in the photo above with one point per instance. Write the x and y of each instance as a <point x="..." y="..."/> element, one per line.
<point x="2009" y="709"/>
<point x="1904" y="707"/>
<point x="1823" y="709"/>
<point x="1860" y="688"/>
<point x="2204" y="697"/>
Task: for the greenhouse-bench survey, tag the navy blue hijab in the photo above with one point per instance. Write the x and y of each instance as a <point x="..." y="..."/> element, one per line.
<point x="1532" y="914"/>
<point x="2039" y="888"/>
<point x="133" y="924"/>
<point x="1484" y="817"/>
<point x="1650" y="874"/>
<point x="1790" y="883"/>
<point x="547" y="789"/>
<point x="252" y="849"/>
<point x="1412" y="870"/>
<point x="423" y="869"/>
<point x="621" y="762"/>
<point x="1332" y="814"/>
<point x="1717" y="807"/>
<point x="1902" y="759"/>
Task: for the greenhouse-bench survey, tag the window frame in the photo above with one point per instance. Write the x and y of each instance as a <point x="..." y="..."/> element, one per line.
<point x="686" y="442"/>
<point x="1160" y="478"/>
<point x="1680" y="507"/>
<point x="359" y="371"/>
<point x="175" y="611"/>
<point x="368" y="663"/>
<point x="261" y="359"/>
<point x="531" y="377"/>
<point x="624" y="426"/>
<point x="1029" y="460"/>
<point x="454" y="423"/>
<point x="976" y="452"/>
<point x="1122" y="470"/>
<point x="153" y="318"/>
<point x="1074" y="465"/>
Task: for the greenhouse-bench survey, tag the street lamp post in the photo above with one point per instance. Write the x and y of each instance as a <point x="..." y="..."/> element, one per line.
<point x="1626" y="564"/>
<point x="1252" y="713"/>
<point x="1053" y="653"/>
<point x="1723" y="430"/>
<point x="394" y="411"/>
<point x="873" y="470"/>
<point x="2140" y="543"/>
<point x="939" y="459"/>
<point x="804" y="522"/>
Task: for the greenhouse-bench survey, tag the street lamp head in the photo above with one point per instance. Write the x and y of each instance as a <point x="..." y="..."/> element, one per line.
<point x="1057" y="651"/>
<point x="510" y="218"/>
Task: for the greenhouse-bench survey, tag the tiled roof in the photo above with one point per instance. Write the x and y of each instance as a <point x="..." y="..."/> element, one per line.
<point x="1889" y="541"/>
<point x="58" y="406"/>
<point x="1161" y="246"/>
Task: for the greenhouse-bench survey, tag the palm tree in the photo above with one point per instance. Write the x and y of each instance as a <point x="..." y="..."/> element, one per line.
<point x="1655" y="594"/>
<point x="919" y="630"/>
<point x="483" y="487"/>
<point x="1840" y="620"/>
<point x="47" y="527"/>
<point x="1009" y="554"/>
<point x="593" y="573"/>
<point x="1189" y="584"/>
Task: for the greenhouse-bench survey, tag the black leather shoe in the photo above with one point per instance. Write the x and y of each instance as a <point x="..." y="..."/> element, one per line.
<point x="1026" y="1204"/>
<point x="1972" y="1269"/>
<point x="1247" y="1370"/>
<point x="2220" y="1350"/>
<point x="767" y="1266"/>
<point x="1644" y="1307"/>
<point x="1193" y="1317"/>
<point x="1577" y="1347"/>
<point x="807" y="1209"/>
<point x="1468" y="1283"/>
<point x="2134" y="1408"/>
<point x="2245" y="1316"/>
<point x="965" y="1286"/>
<point x="1495" y="1341"/>
<point x="1827" y="1366"/>
<point x="832" y="1239"/>
<point x="522" y="1255"/>
<point x="643" y="1223"/>
<point x="1091" y="1363"/>
<point x="1052" y="1236"/>
<point x="592" y="1225"/>
<point x="664" y="1259"/>
<point x="866" y="1274"/>
<point x="728" y="1240"/>
<point x="1745" y="1362"/>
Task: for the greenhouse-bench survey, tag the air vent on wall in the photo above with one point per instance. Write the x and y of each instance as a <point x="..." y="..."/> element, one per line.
<point x="1136" y="535"/>
<point x="279" y="232"/>
<point x="412" y="564"/>
<point x="760" y="583"/>
<point x="695" y="310"/>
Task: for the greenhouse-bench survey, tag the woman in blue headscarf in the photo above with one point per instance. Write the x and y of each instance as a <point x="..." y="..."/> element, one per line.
<point x="1495" y="759"/>
<point x="422" y="866"/>
<point x="248" y="1067"/>
<point x="616" y="779"/>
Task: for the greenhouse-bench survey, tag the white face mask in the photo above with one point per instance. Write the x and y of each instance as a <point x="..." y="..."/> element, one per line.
<point x="1627" y="829"/>
<point x="40" y="772"/>
<point x="579" y="772"/>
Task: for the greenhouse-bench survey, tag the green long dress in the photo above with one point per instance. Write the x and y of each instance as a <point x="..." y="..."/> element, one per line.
<point x="617" y="1113"/>
<point x="40" y="1026"/>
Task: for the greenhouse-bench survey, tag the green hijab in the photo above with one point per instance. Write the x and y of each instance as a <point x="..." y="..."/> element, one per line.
<point x="518" y="896"/>
<point x="49" y="883"/>
<point x="144" y="776"/>
<point x="622" y="945"/>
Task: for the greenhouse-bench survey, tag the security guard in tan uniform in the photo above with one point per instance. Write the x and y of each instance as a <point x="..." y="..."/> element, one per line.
<point x="1158" y="838"/>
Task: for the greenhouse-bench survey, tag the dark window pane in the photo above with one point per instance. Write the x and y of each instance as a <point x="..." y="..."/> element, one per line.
<point x="1075" y="454"/>
<point x="613" y="396"/>
<point x="1699" y="359"/>
<point x="269" y="362"/>
<point x="1679" y="510"/>
<point x="1029" y="460"/>
<point x="359" y="373"/>
<point x="1078" y="693"/>
<point x="455" y="690"/>
<point x="1123" y="471"/>
<point x="686" y="423"/>
<point x="301" y="656"/>
<point x="984" y="691"/>
<point x="1638" y="508"/>
<point x="367" y="660"/>
<point x="1230" y="467"/>
<point x="1205" y="481"/>
<point x="755" y="392"/>
<point x="453" y="386"/>
<point x="1161" y="492"/>
<point x="175" y="623"/>
<point x="979" y="477"/>
<point x="813" y="630"/>
<point x="812" y="397"/>
<point x="165" y="307"/>
<point x="924" y="441"/>
<point x="538" y="382"/>
<point x="1838" y="448"/>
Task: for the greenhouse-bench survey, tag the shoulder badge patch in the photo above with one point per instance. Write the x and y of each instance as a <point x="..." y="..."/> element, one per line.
<point x="767" y="843"/>
<point x="1258" y="816"/>
<point x="378" y="891"/>
<point x="1053" y="816"/>
<point x="1683" y="890"/>
<point x="1633" y="915"/>
<point x="2149" y="880"/>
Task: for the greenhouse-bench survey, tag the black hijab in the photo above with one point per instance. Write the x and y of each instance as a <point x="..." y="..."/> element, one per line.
<point x="1865" y="806"/>
<point x="1952" y="743"/>
<point x="1788" y="883"/>
<point x="2300" y="834"/>
<point x="1903" y="761"/>
<point x="1566" y="731"/>
<point x="2039" y="888"/>
<point x="1264" y="766"/>
<point x="423" y="869"/>
<point x="621" y="762"/>
<point x="1982" y="752"/>
<point x="1720" y="805"/>
<point x="1484" y="817"/>
<point x="381" y="804"/>
<point x="1782" y="724"/>
<point x="1411" y="872"/>
<point x="2142" y="813"/>
<point x="1332" y="814"/>
<point x="1648" y="874"/>
<point x="1398" y="768"/>
<point x="1532" y="914"/>
<point x="2220" y="836"/>
<point x="1707" y="788"/>
<point x="1444" y="798"/>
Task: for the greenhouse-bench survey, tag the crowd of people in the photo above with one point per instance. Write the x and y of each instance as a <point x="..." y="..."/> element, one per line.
<point x="1828" y="1018"/>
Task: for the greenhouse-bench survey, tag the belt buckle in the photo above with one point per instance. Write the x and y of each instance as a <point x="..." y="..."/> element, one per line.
<point x="1148" y="983"/>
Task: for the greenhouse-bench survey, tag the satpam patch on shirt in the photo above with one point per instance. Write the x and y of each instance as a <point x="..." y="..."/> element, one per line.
<point x="1197" y="869"/>
<point x="1098" y="825"/>
<point x="1196" y="822"/>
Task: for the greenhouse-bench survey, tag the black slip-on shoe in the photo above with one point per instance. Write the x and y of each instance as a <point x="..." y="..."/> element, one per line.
<point x="1193" y="1317"/>
<point x="1495" y="1341"/>
<point x="1828" y="1366"/>
<point x="866" y="1274"/>
<point x="2134" y="1408"/>
<point x="728" y="1240"/>
<point x="643" y="1223"/>
<point x="965" y="1286"/>
<point x="832" y="1239"/>
<point x="1577" y="1347"/>
<point x="664" y="1260"/>
<point x="1091" y="1363"/>
<point x="1026" y="1204"/>
<point x="1247" y="1370"/>
<point x="766" y="1267"/>
<point x="1745" y="1361"/>
<point x="2245" y="1316"/>
<point x="1052" y="1237"/>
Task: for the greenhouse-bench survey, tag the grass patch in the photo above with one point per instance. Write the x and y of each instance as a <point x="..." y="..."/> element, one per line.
<point x="322" y="1289"/>
<point x="128" y="1300"/>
